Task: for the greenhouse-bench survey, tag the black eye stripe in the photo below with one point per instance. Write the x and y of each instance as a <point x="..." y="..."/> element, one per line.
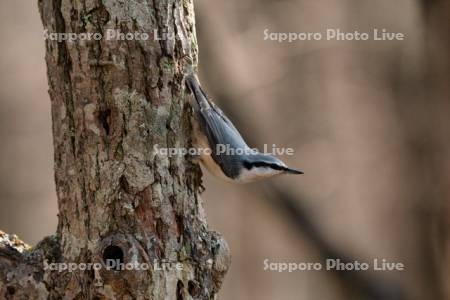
<point x="277" y="167"/>
<point x="250" y="165"/>
<point x="247" y="165"/>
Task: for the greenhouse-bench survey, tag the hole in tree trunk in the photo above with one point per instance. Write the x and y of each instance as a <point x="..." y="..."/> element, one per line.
<point x="124" y="184"/>
<point x="11" y="290"/>
<point x="180" y="287"/>
<point x="103" y="117"/>
<point x="113" y="257"/>
<point x="193" y="288"/>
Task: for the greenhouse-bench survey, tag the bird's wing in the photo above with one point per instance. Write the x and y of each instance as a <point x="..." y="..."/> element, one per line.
<point x="220" y="131"/>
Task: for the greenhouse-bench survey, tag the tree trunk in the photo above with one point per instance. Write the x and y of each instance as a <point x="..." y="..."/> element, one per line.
<point x="113" y="100"/>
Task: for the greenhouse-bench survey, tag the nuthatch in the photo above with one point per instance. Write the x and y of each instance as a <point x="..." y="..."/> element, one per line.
<point x="241" y="163"/>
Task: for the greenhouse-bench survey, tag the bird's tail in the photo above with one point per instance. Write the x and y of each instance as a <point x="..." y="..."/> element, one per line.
<point x="200" y="96"/>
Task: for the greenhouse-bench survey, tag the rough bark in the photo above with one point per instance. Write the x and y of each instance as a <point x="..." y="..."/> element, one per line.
<point x="112" y="102"/>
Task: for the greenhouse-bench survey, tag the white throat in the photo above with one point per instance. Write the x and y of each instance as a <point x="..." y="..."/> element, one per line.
<point x="256" y="174"/>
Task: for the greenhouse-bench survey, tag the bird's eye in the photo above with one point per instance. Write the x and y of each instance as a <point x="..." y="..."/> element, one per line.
<point x="247" y="165"/>
<point x="277" y="167"/>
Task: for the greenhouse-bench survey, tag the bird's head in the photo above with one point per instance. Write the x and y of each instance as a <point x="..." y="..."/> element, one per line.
<point x="259" y="166"/>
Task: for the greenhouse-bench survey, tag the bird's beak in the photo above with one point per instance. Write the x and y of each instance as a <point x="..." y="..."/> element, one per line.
<point x="293" y="171"/>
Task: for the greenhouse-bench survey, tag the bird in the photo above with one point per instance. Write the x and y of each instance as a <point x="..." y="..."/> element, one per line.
<point x="228" y="156"/>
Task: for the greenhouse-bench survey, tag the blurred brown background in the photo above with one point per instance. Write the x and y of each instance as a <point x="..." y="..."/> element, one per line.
<point x="369" y="122"/>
